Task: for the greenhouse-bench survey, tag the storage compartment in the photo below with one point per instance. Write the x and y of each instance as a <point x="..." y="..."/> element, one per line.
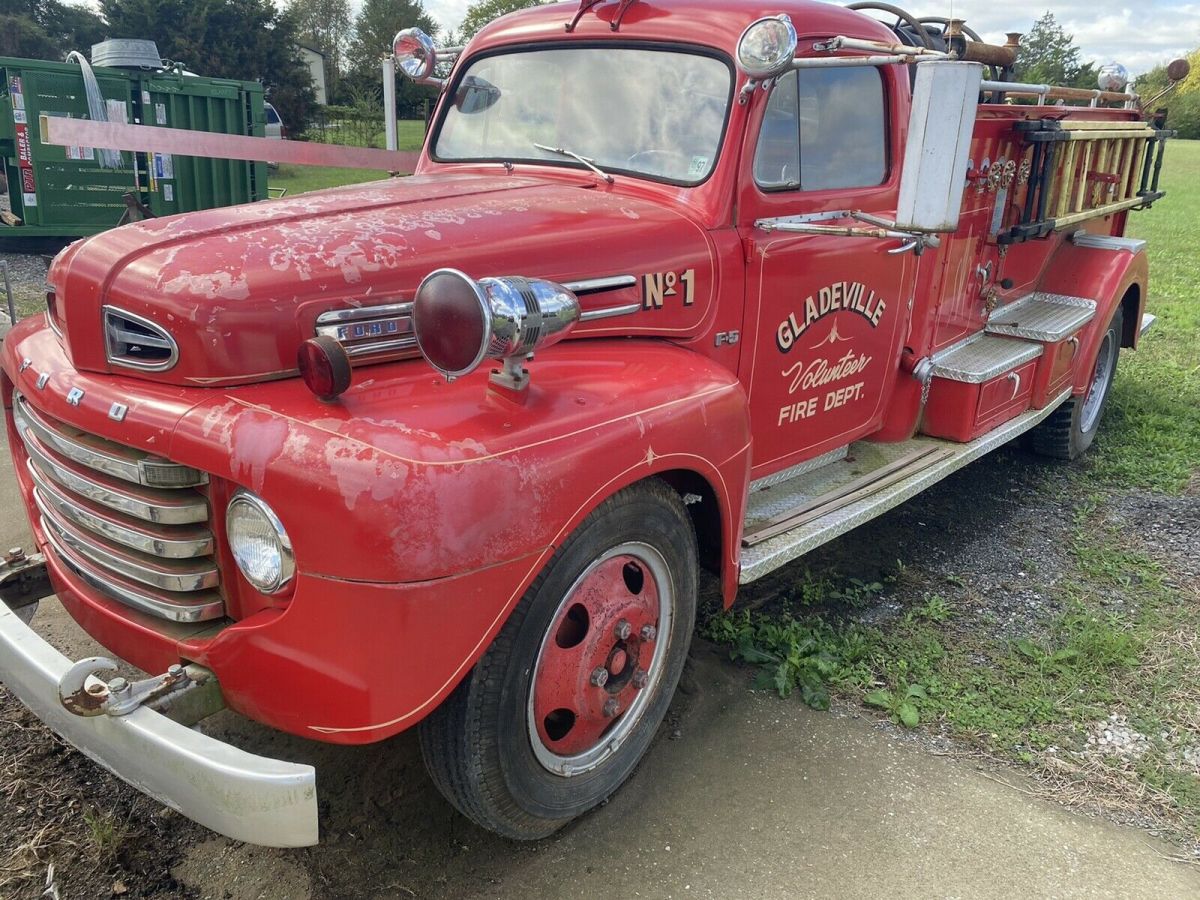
<point x="1054" y="371"/>
<point x="978" y="385"/>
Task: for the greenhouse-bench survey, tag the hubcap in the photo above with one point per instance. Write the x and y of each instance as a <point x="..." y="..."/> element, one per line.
<point x="1094" y="402"/>
<point x="601" y="659"/>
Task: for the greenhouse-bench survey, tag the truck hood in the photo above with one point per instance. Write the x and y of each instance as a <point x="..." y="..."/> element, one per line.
<point x="239" y="288"/>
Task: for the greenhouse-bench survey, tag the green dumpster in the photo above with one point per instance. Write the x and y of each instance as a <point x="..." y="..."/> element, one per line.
<point x="65" y="192"/>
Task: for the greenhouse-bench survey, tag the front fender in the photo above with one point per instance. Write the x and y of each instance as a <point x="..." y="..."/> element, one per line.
<point x="410" y="478"/>
<point x="1104" y="276"/>
<point x="420" y="511"/>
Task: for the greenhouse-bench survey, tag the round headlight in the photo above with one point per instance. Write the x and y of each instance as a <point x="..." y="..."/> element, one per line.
<point x="259" y="544"/>
<point x="415" y="53"/>
<point x="766" y="48"/>
<point x="452" y="322"/>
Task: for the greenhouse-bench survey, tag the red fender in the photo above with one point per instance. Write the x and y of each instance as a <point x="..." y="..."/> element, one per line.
<point x="1104" y="276"/>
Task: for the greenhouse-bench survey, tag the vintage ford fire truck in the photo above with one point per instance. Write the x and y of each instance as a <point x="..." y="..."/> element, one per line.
<point x="677" y="284"/>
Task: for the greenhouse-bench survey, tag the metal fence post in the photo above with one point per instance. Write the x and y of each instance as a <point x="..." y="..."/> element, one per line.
<point x="389" y="102"/>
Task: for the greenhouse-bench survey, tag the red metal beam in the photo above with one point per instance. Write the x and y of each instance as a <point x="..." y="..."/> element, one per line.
<point x="64" y="132"/>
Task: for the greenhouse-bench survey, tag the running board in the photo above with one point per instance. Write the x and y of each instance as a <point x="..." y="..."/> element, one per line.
<point x="789" y="519"/>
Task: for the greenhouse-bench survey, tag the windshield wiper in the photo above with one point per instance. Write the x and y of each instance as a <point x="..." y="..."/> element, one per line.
<point x="583" y="159"/>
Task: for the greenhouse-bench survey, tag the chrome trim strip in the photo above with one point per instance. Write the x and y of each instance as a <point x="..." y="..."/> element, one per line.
<point x="106" y="311"/>
<point x="364" y="312"/>
<point x="1107" y="242"/>
<point x="25" y="416"/>
<point x="200" y="609"/>
<point x="763" y="558"/>
<point x="148" y="572"/>
<point x="129" y="468"/>
<point x="596" y="285"/>
<point x="153" y="543"/>
<point x="237" y="794"/>
<point x="609" y="312"/>
<point x="364" y="349"/>
<point x="136" y="505"/>
<point x="809" y="465"/>
<point x="982" y="357"/>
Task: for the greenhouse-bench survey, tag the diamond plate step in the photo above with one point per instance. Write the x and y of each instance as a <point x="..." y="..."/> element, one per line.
<point x="1042" y="317"/>
<point x="843" y="496"/>
<point x="982" y="357"/>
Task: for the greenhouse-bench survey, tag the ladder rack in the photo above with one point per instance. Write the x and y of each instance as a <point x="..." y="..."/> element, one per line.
<point x="1083" y="170"/>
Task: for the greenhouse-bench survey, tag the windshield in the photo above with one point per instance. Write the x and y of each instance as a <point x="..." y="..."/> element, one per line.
<point x="652" y="112"/>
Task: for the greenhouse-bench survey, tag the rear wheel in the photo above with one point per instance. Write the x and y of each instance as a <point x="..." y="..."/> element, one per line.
<point x="556" y="714"/>
<point x="1071" y="428"/>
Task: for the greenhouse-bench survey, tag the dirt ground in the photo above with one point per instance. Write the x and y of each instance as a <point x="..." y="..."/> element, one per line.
<point x="743" y="795"/>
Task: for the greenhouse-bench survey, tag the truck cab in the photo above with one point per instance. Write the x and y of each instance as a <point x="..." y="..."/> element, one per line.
<point x="675" y="286"/>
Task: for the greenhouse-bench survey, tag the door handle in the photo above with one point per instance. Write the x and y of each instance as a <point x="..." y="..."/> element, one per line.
<point x="1015" y="378"/>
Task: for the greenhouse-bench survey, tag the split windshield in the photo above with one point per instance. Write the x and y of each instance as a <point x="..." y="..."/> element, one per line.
<point x="650" y="112"/>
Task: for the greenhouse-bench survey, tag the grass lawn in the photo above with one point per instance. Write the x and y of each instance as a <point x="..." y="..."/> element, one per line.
<point x="301" y="179"/>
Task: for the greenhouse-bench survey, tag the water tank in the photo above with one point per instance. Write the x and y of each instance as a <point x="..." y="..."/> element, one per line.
<point x="126" y="53"/>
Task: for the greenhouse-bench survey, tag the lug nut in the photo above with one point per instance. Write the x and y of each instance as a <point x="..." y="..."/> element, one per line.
<point x="623" y="630"/>
<point x="640" y="677"/>
<point x="118" y="685"/>
<point x="599" y="677"/>
<point x="611" y="707"/>
<point x="649" y="632"/>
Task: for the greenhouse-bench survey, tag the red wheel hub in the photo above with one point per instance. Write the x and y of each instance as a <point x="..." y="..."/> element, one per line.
<point x="607" y="625"/>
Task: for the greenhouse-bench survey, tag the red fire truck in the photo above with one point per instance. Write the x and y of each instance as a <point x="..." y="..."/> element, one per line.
<point x="676" y="285"/>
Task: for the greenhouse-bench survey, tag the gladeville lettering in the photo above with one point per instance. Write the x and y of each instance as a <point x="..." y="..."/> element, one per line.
<point x="851" y="296"/>
<point x="659" y="285"/>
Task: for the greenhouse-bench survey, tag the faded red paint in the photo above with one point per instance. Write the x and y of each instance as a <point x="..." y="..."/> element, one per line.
<point x="421" y="510"/>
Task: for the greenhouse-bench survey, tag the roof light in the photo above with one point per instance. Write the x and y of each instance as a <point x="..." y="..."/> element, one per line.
<point x="767" y="47"/>
<point x="415" y="53"/>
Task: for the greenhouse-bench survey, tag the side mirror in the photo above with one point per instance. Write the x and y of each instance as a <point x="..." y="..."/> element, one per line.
<point x="944" y="102"/>
<point x="475" y="95"/>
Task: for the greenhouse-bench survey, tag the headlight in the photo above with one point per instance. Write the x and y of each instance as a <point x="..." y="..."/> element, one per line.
<point x="260" y="545"/>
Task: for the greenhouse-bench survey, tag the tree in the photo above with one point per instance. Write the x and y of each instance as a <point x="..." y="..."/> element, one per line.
<point x="1049" y="56"/>
<point x="326" y="26"/>
<point x="483" y="11"/>
<point x="374" y="29"/>
<point x="243" y="39"/>
<point x="46" y="29"/>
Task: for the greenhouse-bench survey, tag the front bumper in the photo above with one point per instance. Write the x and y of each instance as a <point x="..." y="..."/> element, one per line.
<point x="242" y="796"/>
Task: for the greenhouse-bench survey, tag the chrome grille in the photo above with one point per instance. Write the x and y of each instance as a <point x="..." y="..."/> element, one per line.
<point x="132" y="525"/>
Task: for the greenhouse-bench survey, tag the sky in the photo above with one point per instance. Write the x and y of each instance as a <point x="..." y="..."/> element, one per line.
<point x="1139" y="35"/>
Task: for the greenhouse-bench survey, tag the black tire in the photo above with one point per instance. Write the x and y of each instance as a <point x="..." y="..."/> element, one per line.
<point x="478" y="746"/>
<point x="1071" y="428"/>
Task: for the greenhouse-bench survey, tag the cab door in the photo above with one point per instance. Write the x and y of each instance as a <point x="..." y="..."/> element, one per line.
<point x="827" y="315"/>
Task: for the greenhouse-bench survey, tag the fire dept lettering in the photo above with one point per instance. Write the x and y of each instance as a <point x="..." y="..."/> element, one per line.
<point x="819" y="373"/>
<point x="852" y="296"/>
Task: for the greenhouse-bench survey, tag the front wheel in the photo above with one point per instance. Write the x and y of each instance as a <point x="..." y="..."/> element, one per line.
<point x="1071" y="428"/>
<point x="556" y="714"/>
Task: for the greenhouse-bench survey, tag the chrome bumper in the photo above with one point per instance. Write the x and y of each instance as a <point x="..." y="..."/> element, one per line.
<point x="242" y="796"/>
